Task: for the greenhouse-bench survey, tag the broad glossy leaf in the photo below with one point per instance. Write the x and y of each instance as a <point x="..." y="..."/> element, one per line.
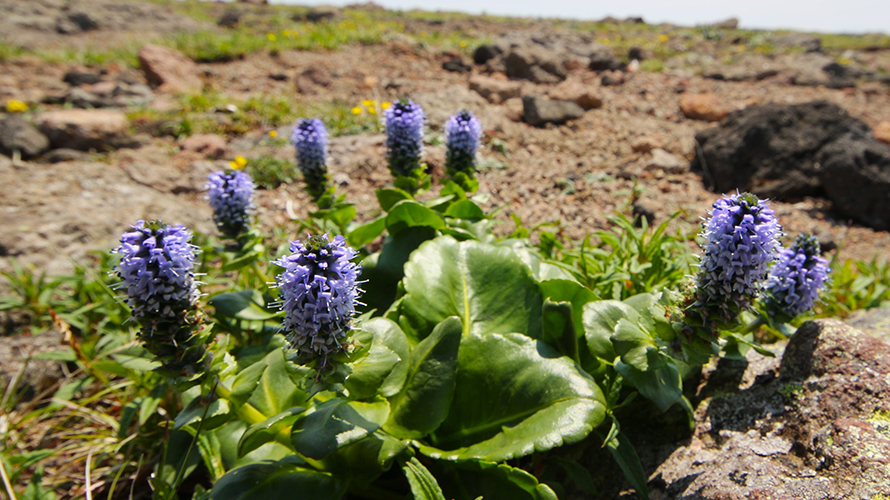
<point x="632" y="343"/>
<point x="334" y="424"/>
<point x="409" y="213"/>
<point x="384" y="270"/>
<point x="515" y="396"/>
<point x="367" y="233"/>
<point x="660" y="382"/>
<point x="276" y="392"/>
<point x="382" y="364"/>
<point x="386" y="198"/>
<point x="215" y="413"/>
<point x="264" y="432"/>
<point x="559" y="329"/>
<point x="465" y="209"/>
<point x="569" y="291"/>
<point x="246" y="382"/>
<point x="280" y="479"/>
<point x="365" y="460"/>
<point x="243" y="304"/>
<point x="491" y="481"/>
<point x="423" y="484"/>
<point x="600" y="319"/>
<point x="623" y="453"/>
<point x="540" y="269"/>
<point x="426" y="396"/>
<point x="486" y="286"/>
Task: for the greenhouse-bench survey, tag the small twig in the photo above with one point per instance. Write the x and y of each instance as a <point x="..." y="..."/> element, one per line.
<point x="6" y="483"/>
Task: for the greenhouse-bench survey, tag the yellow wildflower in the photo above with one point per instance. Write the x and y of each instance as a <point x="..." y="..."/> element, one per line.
<point x="357" y="110"/>
<point x="606" y="41"/>
<point x="238" y="163"/>
<point x="663" y="38"/>
<point x="368" y="104"/>
<point x="272" y="37"/>
<point x="16" y="106"/>
<point x="463" y="44"/>
<point x="273" y="133"/>
<point x="385" y="105"/>
<point x="372" y="110"/>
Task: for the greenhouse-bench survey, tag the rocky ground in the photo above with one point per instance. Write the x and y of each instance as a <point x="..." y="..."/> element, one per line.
<point x="582" y="121"/>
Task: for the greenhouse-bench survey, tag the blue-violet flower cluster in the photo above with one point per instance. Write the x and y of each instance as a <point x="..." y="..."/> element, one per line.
<point x="157" y="269"/>
<point x="404" y="138"/>
<point x="462" y="134"/>
<point x="794" y="282"/>
<point x="318" y="291"/>
<point x="230" y="193"/>
<point x="742" y="241"/>
<point x="311" y="139"/>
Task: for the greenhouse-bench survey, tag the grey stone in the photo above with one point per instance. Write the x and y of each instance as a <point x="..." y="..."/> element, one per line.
<point x="667" y="162"/>
<point x="87" y="129"/>
<point x="538" y="110"/>
<point x="457" y="65"/>
<point x="602" y="58"/>
<point x="78" y="78"/>
<point x="16" y="134"/>
<point x="535" y="64"/>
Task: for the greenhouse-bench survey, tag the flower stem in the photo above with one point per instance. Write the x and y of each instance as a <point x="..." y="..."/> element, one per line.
<point x="753" y="326"/>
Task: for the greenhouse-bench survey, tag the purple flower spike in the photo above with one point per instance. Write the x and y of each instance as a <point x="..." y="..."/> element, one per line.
<point x="318" y="294"/>
<point x="794" y="283"/>
<point x="311" y="139"/>
<point x="462" y="134"/>
<point x="742" y="241"/>
<point x="230" y="194"/>
<point x="157" y="269"/>
<point x="404" y="138"/>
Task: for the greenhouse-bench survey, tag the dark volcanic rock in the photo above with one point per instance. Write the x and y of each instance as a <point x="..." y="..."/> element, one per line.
<point x="78" y="78"/>
<point x="16" y="134"/>
<point x="456" y="65"/>
<point x="813" y="426"/>
<point x="536" y="64"/>
<point x="856" y="176"/>
<point x="772" y="150"/>
<point x="603" y="59"/>
<point x="484" y="53"/>
<point x="538" y="110"/>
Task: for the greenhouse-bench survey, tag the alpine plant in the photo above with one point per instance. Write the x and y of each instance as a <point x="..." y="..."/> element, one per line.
<point x="742" y="241"/>
<point x="318" y="292"/>
<point x="462" y="134"/>
<point x="311" y="139"/>
<point x="404" y="142"/>
<point x="794" y="282"/>
<point x="230" y="193"/>
<point x="157" y="271"/>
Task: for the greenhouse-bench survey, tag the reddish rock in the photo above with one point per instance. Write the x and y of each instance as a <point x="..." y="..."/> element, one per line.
<point x="86" y="129"/>
<point x="706" y="107"/>
<point x="580" y="94"/>
<point x="169" y="69"/>
<point x="494" y="89"/>
<point x="882" y="132"/>
<point x="209" y="145"/>
<point x="647" y="143"/>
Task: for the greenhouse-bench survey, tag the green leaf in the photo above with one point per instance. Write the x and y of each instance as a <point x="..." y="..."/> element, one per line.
<point x="515" y="396"/>
<point x="632" y="344"/>
<point x="465" y="209"/>
<point x="660" y="382"/>
<point x="409" y="213"/>
<point x="367" y="233"/>
<point x="218" y="413"/>
<point x="384" y="270"/>
<point x="330" y="426"/>
<point x="426" y="396"/>
<point x="491" y="481"/>
<point x="486" y="286"/>
<point x="569" y="291"/>
<point x="383" y="367"/>
<point x="276" y="392"/>
<point x="246" y="382"/>
<point x="240" y="262"/>
<point x="243" y="304"/>
<point x="577" y="473"/>
<point x="623" y="453"/>
<point x="363" y="461"/>
<point x="559" y="329"/>
<point x="452" y="188"/>
<point x="282" y="479"/>
<point x="386" y="198"/>
<point x="600" y="320"/>
<point x="423" y="484"/>
<point x="264" y="432"/>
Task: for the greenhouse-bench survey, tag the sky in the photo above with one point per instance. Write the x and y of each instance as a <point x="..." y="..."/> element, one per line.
<point x="826" y="16"/>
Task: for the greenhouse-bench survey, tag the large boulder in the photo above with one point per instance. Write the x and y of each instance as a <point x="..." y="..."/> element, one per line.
<point x="169" y="69"/>
<point x="16" y="134"/>
<point x="813" y="426"/>
<point x="538" y="110"/>
<point x="783" y="152"/>
<point x="86" y="129"/>
<point x="536" y="64"/>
